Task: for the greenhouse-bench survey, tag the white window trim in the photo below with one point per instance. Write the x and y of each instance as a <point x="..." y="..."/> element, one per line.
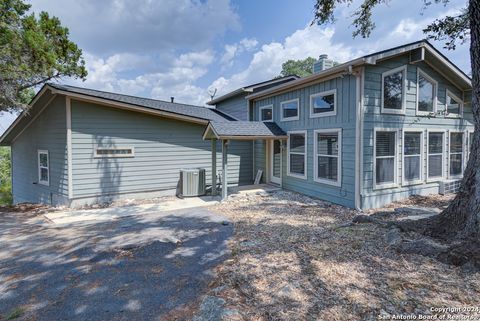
<point x="337" y="131"/>
<point x="322" y="94"/>
<point x="444" y="158"/>
<point x="395" y="161"/>
<point x="450" y="132"/>
<point x="40" y="181"/>
<point x="421" y="180"/>
<point x="304" y="132"/>
<point x="260" y="113"/>
<point x="289" y="118"/>
<point x="420" y="72"/>
<point x="96" y="155"/>
<point x="384" y="110"/>
<point x="447" y="115"/>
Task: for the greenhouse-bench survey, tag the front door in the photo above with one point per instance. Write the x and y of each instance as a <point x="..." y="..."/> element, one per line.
<point x="276" y="162"/>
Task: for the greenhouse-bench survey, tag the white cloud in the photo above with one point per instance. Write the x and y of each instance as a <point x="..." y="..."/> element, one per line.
<point x="232" y="51"/>
<point x="266" y="63"/>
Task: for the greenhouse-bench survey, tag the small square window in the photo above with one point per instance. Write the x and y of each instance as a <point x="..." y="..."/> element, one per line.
<point x="289" y="109"/>
<point x="266" y="113"/>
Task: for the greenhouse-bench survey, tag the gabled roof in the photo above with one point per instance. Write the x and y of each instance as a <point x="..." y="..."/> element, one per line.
<point x="190" y="113"/>
<point x="243" y="130"/>
<point x="175" y="108"/>
<point x="252" y="88"/>
<point x="419" y="50"/>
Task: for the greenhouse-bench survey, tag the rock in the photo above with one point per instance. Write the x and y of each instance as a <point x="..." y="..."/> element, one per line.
<point x="416" y="212"/>
<point x="364" y="219"/>
<point x="393" y="237"/>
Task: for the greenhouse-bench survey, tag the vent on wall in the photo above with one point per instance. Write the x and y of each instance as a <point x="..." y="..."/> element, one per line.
<point x="449" y="187"/>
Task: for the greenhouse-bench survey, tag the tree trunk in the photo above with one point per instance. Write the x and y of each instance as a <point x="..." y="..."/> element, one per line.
<point x="461" y="219"/>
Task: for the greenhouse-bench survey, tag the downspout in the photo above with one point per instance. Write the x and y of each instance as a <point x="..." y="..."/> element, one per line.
<point x="359" y="140"/>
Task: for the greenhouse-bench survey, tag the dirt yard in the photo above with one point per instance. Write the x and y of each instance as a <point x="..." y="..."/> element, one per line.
<point x="293" y="260"/>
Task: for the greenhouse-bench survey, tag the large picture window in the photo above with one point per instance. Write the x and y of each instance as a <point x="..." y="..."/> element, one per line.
<point x="412" y="157"/>
<point x="435" y="154"/>
<point x="289" y="109"/>
<point x="456" y="154"/>
<point x="385" y="156"/>
<point x="43" y="167"/>
<point x="393" y="90"/>
<point x="327" y="160"/>
<point x="323" y="104"/>
<point x="297" y="150"/>
<point x="426" y="93"/>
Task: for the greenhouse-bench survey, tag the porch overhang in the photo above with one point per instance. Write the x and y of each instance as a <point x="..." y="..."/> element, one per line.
<point x="243" y="130"/>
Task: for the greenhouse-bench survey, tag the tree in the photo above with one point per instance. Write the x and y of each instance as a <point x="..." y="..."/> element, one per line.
<point x="301" y="68"/>
<point x="33" y="51"/>
<point x="461" y="220"/>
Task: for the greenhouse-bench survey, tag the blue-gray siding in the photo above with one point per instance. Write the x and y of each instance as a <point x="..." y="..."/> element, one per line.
<point x="345" y="119"/>
<point x="374" y="119"/>
<point x="162" y="147"/>
<point x="47" y="132"/>
<point x="235" y="106"/>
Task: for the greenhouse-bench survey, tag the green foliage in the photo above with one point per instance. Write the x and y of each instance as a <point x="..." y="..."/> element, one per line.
<point x="451" y="29"/>
<point x="15" y="314"/>
<point x="33" y="51"/>
<point x="301" y="68"/>
<point x="5" y="176"/>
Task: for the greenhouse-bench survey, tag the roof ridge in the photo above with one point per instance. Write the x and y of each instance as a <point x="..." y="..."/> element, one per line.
<point x="116" y="93"/>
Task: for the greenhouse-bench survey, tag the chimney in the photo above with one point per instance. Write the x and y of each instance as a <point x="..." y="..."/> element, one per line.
<point x="322" y="63"/>
<point x="172" y="99"/>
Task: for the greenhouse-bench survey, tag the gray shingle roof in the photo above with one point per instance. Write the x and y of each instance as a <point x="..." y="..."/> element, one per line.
<point x="203" y="113"/>
<point x="247" y="128"/>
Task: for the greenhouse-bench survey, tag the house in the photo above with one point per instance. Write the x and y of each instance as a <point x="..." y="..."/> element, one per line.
<point x="369" y="131"/>
<point x="77" y="146"/>
<point x="362" y="134"/>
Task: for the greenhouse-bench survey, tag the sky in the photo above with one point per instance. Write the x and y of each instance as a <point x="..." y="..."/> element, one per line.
<point x="189" y="48"/>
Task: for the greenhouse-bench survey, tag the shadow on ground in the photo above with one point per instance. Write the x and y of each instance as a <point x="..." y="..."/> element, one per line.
<point x="134" y="268"/>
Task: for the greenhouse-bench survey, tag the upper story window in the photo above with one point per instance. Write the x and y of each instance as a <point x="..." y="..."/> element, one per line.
<point x="393" y="90"/>
<point x="114" y="152"/>
<point x="266" y="113"/>
<point x="327" y="161"/>
<point x="426" y="93"/>
<point x="323" y="104"/>
<point x="290" y="109"/>
<point x="297" y="154"/>
<point x="454" y="105"/>
<point x="385" y="158"/>
<point x="43" y="167"/>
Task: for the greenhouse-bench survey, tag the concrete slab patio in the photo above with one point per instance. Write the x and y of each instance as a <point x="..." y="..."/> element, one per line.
<point x="137" y="267"/>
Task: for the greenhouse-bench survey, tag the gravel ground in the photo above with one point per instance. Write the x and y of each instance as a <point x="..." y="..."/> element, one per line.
<point x="293" y="260"/>
<point x="144" y="267"/>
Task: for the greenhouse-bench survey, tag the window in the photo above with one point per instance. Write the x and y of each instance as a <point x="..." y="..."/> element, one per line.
<point x="412" y="157"/>
<point x="114" y="152"/>
<point x="323" y="104"/>
<point x="43" y="168"/>
<point x="426" y="93"/>
<point x="454" y="105"/>
<point x="297" y="149"/>
<point x="435" y="154"/>
<point x="393" y="90"/>
<point x="328" y="153"/>
<point x="456" y="154"/>
<point x="470" y="142"/>
<point x="385" y="156"/>
<point x="266" y="113"/>
<point x="290" y="109"/>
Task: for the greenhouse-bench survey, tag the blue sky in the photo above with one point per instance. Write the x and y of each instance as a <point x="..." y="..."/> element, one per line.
<point x="184" y="48"/>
